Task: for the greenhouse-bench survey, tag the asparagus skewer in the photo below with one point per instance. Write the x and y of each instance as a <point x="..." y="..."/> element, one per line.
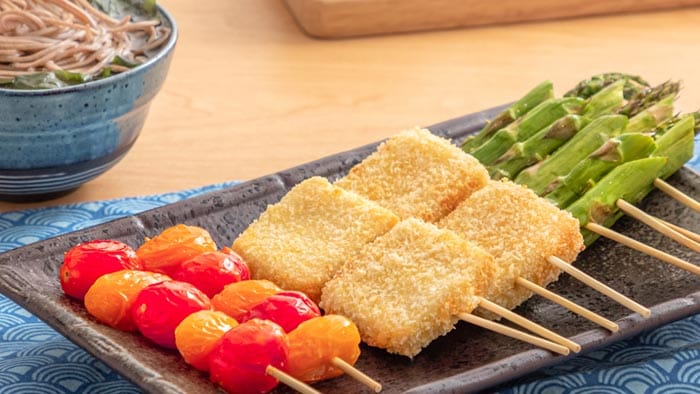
<point x="673" y="149"/>
<point x="629" y="181"/>
<point x="612" y="153"/>
<point x="540" y="176"/>
<point x="537" y="95"/>
<point x="540" y="117"/>
<point x="545" y="141"/>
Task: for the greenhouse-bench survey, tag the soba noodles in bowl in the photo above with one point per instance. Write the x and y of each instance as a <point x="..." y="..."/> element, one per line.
<point x="76" y="81"/>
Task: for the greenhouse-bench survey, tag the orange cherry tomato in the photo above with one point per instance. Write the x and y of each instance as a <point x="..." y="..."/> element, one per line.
<point x="314" y="344"/>
<point x="237" y="298"/>
<point x="110" y="298"/>
<point x="166" y="251"/>
<point x="198" y="334"/>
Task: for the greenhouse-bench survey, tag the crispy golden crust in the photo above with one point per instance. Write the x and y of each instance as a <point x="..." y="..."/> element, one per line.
<point x="404" y="289"/>
<point x="416" y="174"/>
<point x="520" y="230"/>
<point x="300" y="242"/>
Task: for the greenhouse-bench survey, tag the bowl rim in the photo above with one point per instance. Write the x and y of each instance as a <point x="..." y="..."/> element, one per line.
<point x="165" y="50"/>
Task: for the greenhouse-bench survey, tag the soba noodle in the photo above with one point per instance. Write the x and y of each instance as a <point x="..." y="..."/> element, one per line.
<point x="70" y="35"/>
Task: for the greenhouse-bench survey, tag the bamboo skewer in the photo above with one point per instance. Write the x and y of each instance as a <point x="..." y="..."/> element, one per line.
<point x="677" y="194"/>
<point x="528" y="324"/>
<point x="513" y="333"/>
<point x="656" y="225"/>
<point x="356" y="374"/>
<point x="572" y="306"/>
<point x="290" y="381"/>
<point x="597" y="285"/>
<point x="644" y="248"/>
<point x="694" y="236"/>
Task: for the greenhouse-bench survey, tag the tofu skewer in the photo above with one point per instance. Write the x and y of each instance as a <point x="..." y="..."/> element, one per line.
<point x="415" y="166"/>
<point x="530" y="239"/>
<point x="416" y="174"/>
<point x="303" y="241"/>
<point x="412" y="285"/>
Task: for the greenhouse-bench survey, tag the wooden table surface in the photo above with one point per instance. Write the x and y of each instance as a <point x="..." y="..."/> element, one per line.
<point x="249" y="94"/>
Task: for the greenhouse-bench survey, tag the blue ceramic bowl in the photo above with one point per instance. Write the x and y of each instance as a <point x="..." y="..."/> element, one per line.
<point x="52" y="141"/>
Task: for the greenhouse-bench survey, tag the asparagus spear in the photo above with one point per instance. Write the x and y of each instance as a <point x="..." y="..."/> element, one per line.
<point x="540" y="116"/>
<point x="589" y="87"/>
<point x="649" y="96"/>
<point x="652" y="117"/>
<point x="545" y="141"/>
<point x="537" y="95"/>
<point x="677" y="144"/>
<point x="587" y="173"/>
<point x="539" y="176"/>
<point x="630" y="181"/>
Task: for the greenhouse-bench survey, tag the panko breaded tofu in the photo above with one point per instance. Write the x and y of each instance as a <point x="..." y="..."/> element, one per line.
<point x="416" y="174"/>
<point x="520" y="230"/>
<point x="300" y="242"/>
<point x="404" y="289"/>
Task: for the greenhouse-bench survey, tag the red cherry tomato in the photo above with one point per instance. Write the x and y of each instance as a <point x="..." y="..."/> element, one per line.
<point x="239" y="361"/>
<point x="286" y="308"/>
<point x="211" y="271"/>
<point x="86" y="262"/>
<point x="160" y="307"/>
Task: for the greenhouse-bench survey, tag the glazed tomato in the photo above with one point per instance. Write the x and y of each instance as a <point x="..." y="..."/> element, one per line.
<point x="286" y="308"/>
<point x="198" y="334"/>
<point x="237" y="298"/>
<point x="211" y="271"/>
<point x="239" y="361"/>
<point x="160" y="307"/>
<point x="110" y="298"/>
<point x="316" y="342"/>
<point x="86" y="262"/>
<point x="174" y="245"/>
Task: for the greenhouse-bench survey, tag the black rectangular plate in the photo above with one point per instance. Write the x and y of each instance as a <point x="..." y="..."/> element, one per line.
<point x="467" y="359"/>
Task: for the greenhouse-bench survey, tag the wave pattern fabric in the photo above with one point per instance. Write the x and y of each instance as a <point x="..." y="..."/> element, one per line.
<point x="36" y="359"/>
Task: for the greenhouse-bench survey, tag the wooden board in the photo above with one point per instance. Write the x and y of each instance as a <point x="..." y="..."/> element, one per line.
<point x="345" y="18"/>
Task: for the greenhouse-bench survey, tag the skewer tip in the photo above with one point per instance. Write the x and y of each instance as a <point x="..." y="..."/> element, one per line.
<point x="357" y="374"/>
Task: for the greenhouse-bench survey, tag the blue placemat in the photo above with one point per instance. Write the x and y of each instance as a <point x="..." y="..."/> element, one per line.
<point x="36" y="359"/>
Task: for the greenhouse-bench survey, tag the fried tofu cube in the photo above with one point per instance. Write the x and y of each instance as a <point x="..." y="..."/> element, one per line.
<point x="520" y="230"/>
<point x="404" y="289"/>
<point x="300" y="242"/>
<point x="416" y="174"/>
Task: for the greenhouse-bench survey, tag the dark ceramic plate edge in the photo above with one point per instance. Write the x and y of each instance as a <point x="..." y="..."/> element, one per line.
<point x="266" y="190"/>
